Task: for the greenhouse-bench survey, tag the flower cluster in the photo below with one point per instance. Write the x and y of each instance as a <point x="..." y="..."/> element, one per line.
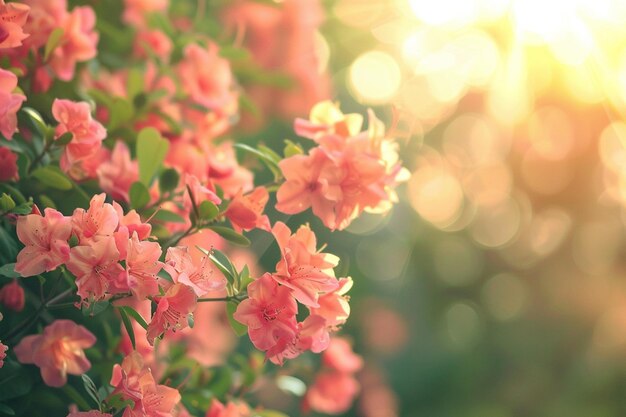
<point x="348" y="172"/>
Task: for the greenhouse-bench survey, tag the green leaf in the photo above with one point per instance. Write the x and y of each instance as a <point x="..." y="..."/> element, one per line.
<point x="292" y="149"/>
<point x="8" y="271"/>
<point x="91" y="389"/>
<point x="270" y="159"/>
<point x="168" y="180"/>
<point x="5" y="409"/>
<point x="64" y="139"/>
<point x="151" y="151"/>
<point x="122" y="111"/>
<point x="270" y="413"/>
<point x="222" y="263"/>
<point x="53" y="41"/>
<point x="135" y="82"/>
<point x="230" y="235"/>
<point x="234" y="53"/>
<point x="207" y="210"/>
<point x="132" y="312"/>
<point x="128" y="326"/>
<point x="270" y="153"/>
<point x="52" y="178"/>
<point x="14" y="381"/>
<point x="8" y="247"/>
<point x="238" y="328"/>
<point x="6" y="203"/>
<point x="75" y="396"/>
<point x="24" y="208"/>
<point x="95" y="308"/>
<point x="36" y="119"/>
<point x="46" y="201"/>
<point x="139" y="195"/>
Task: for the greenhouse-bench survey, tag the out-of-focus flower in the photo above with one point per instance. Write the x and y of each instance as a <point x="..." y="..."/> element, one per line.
<point x="301" y="268"/>
<point x="152" y="42"/>
<point x="207" y="78"/>
<point x="173" y="310"/>
<point x="245" y="212"/>
<point x="10" y="103"/>
<point x="58" y="351"/>
<point x="200" y="192"/>
<point x="332" y="392"/>
<point x="340" y="357"/>
<point x="116" y="175"/>
<point x="225" y="171"/>
<point x="12" y="19"/>
<point x="87" y="134"/>
<point x="136" y="11"/>
<point x="92" y="413"/>
<point x="229" y="409"/>
<point x="3" y="353"/>
<point x="269" y="313"/>
<point x="46" y="239"/>
<point x="12" y="296"/>
<point x="8" y="165"/>
<point x="78" y="43"/>
<point x="135" y="382"/>
<point x="199" y="276"/>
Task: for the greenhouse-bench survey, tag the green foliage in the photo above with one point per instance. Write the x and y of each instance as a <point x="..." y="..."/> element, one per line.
<point x="151" y="151"/>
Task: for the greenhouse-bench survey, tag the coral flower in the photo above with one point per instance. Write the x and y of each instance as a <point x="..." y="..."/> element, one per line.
<point x="173" y="310"/>
<point x="269" y="312"/>
<point x="100" y="220"/>
<point x="312" y="334"/>
<point x="12" y="19"/>
<point x="58" y="351"/>
<point x="334" y="306"/>
<point x="135" y="11"/>
<point x="10" y="103"/>
<point x="46" y="243"/>
<point x="118" y="173"/>
<point x="331" y="393"/>
<point x="3" y="353"/>
<point x="142" y="266"/>
<point x="245" y="212"/>
<point x="340" y="357"/>
<point x="199" y="276"/>
<point x="12" y="296"/>
<point x="96" y="268"/>
<point x="199" y="192"/>
<point x="306" y="272"/>
<point x="135" y="382"/>
<point x="229" y="409"/>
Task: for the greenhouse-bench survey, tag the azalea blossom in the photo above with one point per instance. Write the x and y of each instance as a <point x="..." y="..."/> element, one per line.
<point x="142" y="266"/>
<point x="46" y="242"/>
<point x="340" y="357"/>
<point x="117" y="174"/>
<point x="58" y="351"/>
<point x="173" y="310"/>
<point x="199" y="276"/>
<point x="245" y="212"/>
<point x="10" y="102"/>
<point x="332" y="392"/>
<point x="312" y="334"/>
<point x="13" y="17"/>
<point x="230" y="409"/>
<point x="97" y="269"/>
<point x="12" y="296"/>
<point x="302" y="269"/>
<point x="269" y="313"/>
<point x="135" y="382"/>
<point x="200" y="192"/>
<point x="98" y="221"/>
<point x="333" y="305"/>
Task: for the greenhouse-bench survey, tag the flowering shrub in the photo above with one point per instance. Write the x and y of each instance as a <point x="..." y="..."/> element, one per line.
<point x="123" y="201"/>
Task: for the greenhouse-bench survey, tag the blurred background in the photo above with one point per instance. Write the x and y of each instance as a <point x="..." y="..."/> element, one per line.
<point x="497" y="286"/>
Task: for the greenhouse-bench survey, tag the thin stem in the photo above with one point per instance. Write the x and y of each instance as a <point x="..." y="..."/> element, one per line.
<point x="175" y="239"/>
<point x="39" y="157"/>
<point x="236" y="298"/>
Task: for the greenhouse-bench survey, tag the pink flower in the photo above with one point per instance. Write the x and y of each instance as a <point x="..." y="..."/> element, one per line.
<point x="134" y="381"/>
<point x="87" y="134"/>
<point x="142" y="266"/>
<point x="100" y="220"/>
<point x="131" y="221"/>
<point x="188" y="158"/>
<point x="152" y="42"/>
<point x="326" y="118"/>
<point x="225" y="171"/>
<point x="198" y="276"/>
<point x="302" y="269"/>
<point x="331" y="393"/>
<point x="92" y="413"/>
<point x="12" y="19"/>
<point x="173" y="310"/>
<point x="269" y="313"/>
<point x="340" y="357"/>
<point x="3" y="353"/>
<point x="245" y="212"/>
<point x="12" y="296"/>
<point x="8" y="165"/>
<point x="208" y="79"/>
<point x="229" y="409"/>
<point x="46" y="242"/>
<point x="78" y="43"/>
<point x="135" y="11"/>
<point x="199" y="192"/>
<point x="58" y="351"/>
<point x="312" y="334"/>
<point x="9" y="103"/>
<point x="118" y="173"/>
<point x="97" y="269"/>
<point x="334" y="306"/>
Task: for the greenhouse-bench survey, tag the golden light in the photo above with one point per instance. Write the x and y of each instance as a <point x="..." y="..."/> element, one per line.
<point x="375" y="77"/>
